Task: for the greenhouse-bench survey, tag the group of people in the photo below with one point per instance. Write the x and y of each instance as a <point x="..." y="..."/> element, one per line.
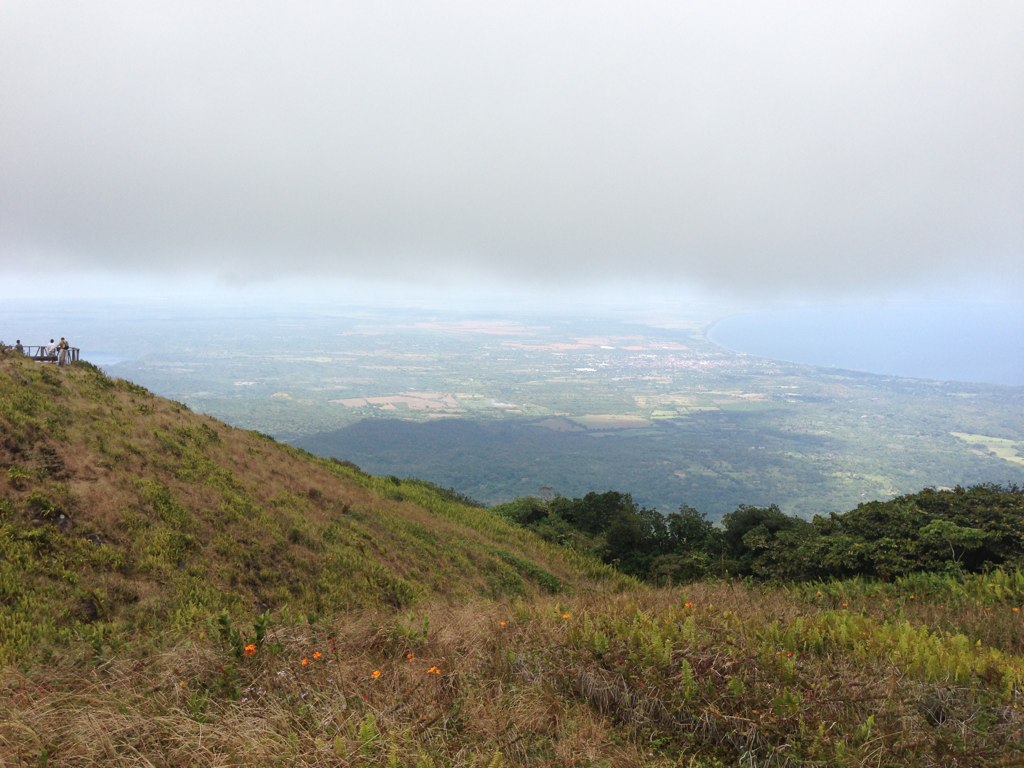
<point x="59" y="351"/>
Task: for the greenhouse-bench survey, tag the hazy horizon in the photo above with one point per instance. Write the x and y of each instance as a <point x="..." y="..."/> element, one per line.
<point x="941" y="338"/>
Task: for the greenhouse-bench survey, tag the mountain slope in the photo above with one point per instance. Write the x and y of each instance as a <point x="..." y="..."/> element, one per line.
<point x="120" y="509"/>
<point x="177" y="592"/>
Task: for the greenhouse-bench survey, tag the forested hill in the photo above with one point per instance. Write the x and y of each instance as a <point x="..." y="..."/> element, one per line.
<point x="122" y="509"/>
<point x="950" y="530"/>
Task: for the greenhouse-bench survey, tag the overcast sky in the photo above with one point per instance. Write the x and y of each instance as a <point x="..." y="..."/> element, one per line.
<point x="748" y="148"/>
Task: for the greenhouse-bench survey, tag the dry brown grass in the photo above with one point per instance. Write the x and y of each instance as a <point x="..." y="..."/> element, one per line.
<point x="272" y="707"/>
<point x="524" y="680"/>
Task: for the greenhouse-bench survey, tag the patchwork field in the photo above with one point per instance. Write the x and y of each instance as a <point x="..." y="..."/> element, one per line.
<point x="655" y="409"/>
<point x="1007" y="450"/>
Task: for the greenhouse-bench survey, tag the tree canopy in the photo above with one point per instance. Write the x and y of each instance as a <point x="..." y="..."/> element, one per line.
<point x="959" y="529"/>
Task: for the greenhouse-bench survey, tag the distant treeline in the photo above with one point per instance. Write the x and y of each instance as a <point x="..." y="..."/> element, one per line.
<point x="962" y="529"/>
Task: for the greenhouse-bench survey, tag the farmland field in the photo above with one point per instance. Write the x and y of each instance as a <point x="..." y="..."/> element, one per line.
<point x="503" y="405"/>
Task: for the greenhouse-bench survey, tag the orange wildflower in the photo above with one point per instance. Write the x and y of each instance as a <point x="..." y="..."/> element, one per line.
<point x="250" y="649"/>
<point x="305" y="662"/>
<point x="317" y="654"/>
<point x="688" y="604"/>
<point x="376" y="674"/>
<point x="502" y="623"/>
<point x="410" y="656"/>
<point x="434" y="671"/>
<point x="566" y="615"/>
<point x="1015" y="609"/>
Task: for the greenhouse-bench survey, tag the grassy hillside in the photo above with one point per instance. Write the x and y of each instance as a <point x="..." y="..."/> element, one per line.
<point x="174" y="592"/>
<point x="921" y="673"/>
<point x="122" y="512"/>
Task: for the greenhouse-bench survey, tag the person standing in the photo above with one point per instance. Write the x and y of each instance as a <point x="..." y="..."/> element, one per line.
<point x="63" y="351"/>
<point x="18" y="348"/>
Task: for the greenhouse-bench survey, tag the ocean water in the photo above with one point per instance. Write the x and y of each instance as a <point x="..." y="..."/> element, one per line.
<point x="978" y="343"/>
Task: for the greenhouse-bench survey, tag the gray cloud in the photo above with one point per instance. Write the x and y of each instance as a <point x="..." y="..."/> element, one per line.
<point x="741" y="146"/>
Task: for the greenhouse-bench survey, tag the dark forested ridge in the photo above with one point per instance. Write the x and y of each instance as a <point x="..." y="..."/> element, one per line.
<point x="959" y="529"/>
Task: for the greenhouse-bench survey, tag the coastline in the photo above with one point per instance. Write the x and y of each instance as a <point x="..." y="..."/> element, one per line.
<point x="964" y="344"/>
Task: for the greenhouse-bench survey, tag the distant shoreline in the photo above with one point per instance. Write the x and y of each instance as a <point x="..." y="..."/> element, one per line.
<point x="967" y="344"/>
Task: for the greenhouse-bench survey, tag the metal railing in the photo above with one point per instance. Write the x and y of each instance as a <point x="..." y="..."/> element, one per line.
<point x="45" y="353"/>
